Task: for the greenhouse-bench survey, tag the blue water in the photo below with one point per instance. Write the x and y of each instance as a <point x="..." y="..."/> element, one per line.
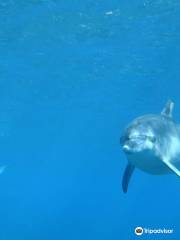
<point x="72" y="75"/>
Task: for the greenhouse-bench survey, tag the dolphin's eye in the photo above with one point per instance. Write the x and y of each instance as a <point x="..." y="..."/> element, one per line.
<point x="123" y="139"/>
<point x="152" y="138"/>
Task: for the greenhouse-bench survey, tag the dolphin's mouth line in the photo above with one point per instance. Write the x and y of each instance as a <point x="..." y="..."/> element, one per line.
<point x="139" y="138"/>
<point x="128" y="150"/>
<point x="136" y="144"/>
<point x="142" y="137"/>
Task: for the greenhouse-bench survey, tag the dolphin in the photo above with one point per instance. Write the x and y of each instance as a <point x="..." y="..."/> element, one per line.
<point x="151" y="143"/>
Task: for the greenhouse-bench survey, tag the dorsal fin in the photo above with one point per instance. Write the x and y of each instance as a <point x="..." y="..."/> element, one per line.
<point x="168" y="109"/>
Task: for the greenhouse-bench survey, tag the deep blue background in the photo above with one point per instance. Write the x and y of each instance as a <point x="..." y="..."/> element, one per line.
<point x="72" y="75"/>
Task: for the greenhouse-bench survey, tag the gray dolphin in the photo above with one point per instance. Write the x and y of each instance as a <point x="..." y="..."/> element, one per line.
<point x="152" y="144"/>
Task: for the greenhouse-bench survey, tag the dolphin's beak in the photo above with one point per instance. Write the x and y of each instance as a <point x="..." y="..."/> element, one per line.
<point x="126" y="149"/>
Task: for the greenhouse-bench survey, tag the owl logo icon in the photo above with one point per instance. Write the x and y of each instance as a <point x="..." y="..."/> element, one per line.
<point x="138" y="231"/>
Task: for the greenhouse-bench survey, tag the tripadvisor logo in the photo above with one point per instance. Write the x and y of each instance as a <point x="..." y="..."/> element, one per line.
<point x="139" y="231"/>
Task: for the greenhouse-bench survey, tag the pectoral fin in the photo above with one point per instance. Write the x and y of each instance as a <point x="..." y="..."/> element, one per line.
<point x="173" y="166"/>
<point x="127" y="176"/>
